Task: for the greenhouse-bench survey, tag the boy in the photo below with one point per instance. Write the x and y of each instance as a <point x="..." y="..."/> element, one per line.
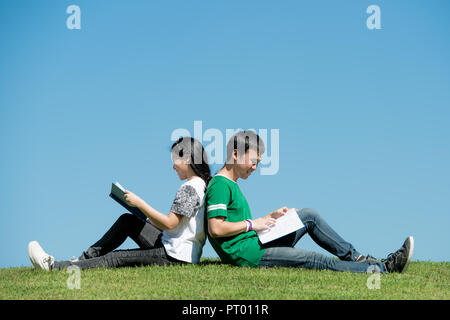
<point x="232" y="232"/>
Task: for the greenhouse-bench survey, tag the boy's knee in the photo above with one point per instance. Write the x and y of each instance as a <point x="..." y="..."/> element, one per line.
<point x="307" y="212"/>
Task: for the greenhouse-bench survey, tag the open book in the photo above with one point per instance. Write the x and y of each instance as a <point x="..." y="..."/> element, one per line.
<point x="117" y="193"/>
<point x="286" y="224"/>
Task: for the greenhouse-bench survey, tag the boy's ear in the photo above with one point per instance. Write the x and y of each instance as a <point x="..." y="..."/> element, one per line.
<point x="235" y="154"/>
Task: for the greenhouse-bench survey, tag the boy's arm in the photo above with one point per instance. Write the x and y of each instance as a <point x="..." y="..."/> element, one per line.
<point x="218" y="227"/>
<point x="217" y="200"/>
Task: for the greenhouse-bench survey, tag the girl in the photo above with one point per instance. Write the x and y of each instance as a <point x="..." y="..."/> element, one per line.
<point x="163" y="239"/>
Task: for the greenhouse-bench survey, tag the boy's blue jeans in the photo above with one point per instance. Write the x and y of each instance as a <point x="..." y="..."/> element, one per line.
<point x="281" y="252"/>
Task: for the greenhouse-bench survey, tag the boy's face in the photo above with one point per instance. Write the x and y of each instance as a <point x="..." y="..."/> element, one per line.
<point x="247" y="163"/>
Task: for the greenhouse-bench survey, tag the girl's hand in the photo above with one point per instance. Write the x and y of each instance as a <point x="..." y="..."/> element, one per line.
<point x="132" y="199"/>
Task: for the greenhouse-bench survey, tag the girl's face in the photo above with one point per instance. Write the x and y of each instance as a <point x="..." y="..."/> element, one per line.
<point x="181" y="166"/>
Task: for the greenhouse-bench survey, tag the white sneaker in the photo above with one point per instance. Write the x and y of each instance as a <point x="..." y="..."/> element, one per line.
<point x="39" y="258"/>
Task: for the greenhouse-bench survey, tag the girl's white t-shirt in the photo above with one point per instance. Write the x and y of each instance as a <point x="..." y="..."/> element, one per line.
<point x="185" y="242"/>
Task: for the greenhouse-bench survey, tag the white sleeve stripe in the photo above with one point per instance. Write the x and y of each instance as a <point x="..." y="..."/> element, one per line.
<point x="217" y="207"/>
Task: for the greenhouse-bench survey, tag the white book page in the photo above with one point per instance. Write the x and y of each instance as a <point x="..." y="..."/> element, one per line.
<point x="119" y="186"/>
<point x="286" y="224"/>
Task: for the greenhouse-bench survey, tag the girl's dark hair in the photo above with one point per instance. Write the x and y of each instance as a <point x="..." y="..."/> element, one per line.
<point x="187" y="146"/>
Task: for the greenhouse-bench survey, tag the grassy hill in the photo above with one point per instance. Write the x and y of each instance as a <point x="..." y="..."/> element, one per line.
<point x="212" y="280"/>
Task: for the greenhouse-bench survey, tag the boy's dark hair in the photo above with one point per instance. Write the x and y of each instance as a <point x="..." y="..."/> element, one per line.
<point x="242" y="141"/>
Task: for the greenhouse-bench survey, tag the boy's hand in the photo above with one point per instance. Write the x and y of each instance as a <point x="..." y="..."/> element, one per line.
<point x="263" y="223"/>
<point x="269" y="220"/>
<point x="132" y="199"/>
<point x="278" y="213"/>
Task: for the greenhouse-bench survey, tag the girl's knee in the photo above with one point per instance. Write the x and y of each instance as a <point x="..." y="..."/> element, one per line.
<point x="126" y="218"/>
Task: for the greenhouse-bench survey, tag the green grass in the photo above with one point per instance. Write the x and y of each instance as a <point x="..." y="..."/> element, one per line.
<point x="212" y="280"/>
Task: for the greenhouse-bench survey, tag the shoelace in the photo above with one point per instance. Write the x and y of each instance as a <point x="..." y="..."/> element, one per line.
<point x="394" y="256"/>
<point x="48" y="260"/>
<point x="366" y="258"/>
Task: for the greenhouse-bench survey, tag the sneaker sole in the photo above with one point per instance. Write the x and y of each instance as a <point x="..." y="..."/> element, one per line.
<point x="32" y="243"/>
<point x="410" y="253"/>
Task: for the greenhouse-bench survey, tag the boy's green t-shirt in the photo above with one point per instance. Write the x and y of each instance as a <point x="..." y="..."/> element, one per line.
<point x="224" y="198"/>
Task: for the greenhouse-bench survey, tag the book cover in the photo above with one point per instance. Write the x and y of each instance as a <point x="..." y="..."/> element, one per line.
<point x="117" y="193"/>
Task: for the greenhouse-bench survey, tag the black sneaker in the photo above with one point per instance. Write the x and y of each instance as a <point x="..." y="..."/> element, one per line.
<point x="399" y="260"/>
<point x="367" y="259"/>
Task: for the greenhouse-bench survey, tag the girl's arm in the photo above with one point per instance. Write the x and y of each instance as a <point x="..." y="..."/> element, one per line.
<point x="160" y="220"/>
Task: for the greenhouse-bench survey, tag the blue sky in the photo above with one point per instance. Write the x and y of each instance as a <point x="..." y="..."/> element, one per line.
<point x="363" y="115"/>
